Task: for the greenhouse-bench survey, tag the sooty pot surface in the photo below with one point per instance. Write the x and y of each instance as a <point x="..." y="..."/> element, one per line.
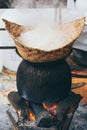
<point x="44" y="82"/>
<point x="80" y="56"/>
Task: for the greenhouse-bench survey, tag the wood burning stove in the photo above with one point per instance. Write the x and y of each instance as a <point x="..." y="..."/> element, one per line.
<point x="58" y="119"/>
<point x="44" y="100"/>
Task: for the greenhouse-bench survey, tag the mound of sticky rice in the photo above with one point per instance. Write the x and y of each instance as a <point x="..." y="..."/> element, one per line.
<point x="44" y="37"/>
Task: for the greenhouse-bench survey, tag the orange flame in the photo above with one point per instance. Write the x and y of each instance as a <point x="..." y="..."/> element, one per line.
<point x="31" y="116"/>
<point x="50" y="108"/>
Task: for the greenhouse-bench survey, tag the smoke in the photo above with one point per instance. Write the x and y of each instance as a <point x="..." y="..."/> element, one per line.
<point x="31" y="3"/>
<point x="57" y="3"/>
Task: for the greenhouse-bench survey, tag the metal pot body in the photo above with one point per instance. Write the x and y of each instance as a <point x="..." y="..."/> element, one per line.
<point x="44" y="82"/>
<point x="80" y="57"/>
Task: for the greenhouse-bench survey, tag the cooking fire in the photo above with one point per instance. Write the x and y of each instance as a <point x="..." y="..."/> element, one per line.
<point x="44" y="100"/>
<point x="41" y="116"/>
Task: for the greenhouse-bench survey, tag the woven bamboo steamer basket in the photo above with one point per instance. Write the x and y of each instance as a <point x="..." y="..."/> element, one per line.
<point x="73" y="29"/>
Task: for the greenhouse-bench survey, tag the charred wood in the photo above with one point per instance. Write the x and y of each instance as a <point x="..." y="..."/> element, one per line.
<point x="66" y="109"/>
<point x="43" y="118"/>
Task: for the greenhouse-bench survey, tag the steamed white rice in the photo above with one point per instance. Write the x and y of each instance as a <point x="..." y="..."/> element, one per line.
<point x="44" y="38"/>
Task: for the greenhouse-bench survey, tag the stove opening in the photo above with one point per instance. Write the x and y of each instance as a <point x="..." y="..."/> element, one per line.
<point x="51" y="108"/>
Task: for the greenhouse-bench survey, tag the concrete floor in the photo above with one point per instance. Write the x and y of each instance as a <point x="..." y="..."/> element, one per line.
<point x="7" y="84"/>
<point x="5" y="123"/>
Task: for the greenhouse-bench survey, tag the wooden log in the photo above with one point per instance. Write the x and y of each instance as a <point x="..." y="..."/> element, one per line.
<point x="16" y="101"/>
<point x="43" y="117"/>
<point x="12" y="120"/>
<point x="19" y="105"/>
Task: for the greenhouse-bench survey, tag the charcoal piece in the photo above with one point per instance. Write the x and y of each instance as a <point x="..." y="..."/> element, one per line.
<point x="43" y="117"/>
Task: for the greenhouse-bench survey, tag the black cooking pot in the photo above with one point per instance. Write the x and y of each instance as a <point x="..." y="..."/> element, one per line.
<point x="80" y="56"/>
<point x="44" y="82"/>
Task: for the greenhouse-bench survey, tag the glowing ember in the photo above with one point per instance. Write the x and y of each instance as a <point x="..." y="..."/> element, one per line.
<point x="31" y="116"/>
<point x="50" y="108"/>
